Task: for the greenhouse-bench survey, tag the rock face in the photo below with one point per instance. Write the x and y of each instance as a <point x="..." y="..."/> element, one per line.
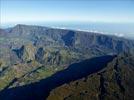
<point x="2" y="32"/>
<point x="69" y="38"/>
<point x="40" y="55"/>
<point x="43" y="36"/>
<point x="115" y="82"/>
<point x="26" y="52"/>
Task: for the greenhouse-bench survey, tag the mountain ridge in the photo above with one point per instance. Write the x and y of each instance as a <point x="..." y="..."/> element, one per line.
<point x="61" y="35"/>
<point x="112" y="82"/>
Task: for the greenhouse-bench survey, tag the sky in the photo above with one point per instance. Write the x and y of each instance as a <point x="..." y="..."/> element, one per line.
<point x="115" y="11"/>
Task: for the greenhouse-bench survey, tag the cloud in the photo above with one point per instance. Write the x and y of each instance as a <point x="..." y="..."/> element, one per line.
<point x="119" y="34"/>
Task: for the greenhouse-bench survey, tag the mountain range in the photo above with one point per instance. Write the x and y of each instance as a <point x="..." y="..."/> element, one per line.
<point x="39" y="63"/>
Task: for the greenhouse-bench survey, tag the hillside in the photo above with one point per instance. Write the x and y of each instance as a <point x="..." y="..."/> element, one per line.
<point x="114" y="82"/>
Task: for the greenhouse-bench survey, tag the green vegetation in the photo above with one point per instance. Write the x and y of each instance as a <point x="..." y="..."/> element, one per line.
<point x="29" y="54"/>
<point x="111" y="83"/>
<point x="32" y="70"/>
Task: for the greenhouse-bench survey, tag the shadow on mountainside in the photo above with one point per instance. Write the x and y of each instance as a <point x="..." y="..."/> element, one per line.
<point x="40" y="90"/>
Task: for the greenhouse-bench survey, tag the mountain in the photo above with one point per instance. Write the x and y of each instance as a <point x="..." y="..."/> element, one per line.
<point x="29" y="54"/>
<point x="43" y="36"/>
<point x="84" y="43"/>
<point x="114" y="82"/>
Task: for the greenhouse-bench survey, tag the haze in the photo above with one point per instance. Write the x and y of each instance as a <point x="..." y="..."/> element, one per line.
<point x="58" y="13"/>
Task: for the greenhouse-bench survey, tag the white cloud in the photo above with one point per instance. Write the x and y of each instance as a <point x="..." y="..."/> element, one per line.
<point x="119" y="34"/>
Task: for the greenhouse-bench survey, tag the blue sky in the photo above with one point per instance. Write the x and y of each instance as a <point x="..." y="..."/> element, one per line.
<point x="120" y="11"/>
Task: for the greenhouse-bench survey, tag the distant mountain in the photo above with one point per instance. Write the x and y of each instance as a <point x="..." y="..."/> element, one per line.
<point x="44" y="36"/>
<point x="82" y="44"/>
<point x="114" y="82"/>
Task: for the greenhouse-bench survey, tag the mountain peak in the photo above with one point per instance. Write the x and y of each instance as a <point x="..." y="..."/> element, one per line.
<point x="21" y="25"/>
<point x="29" y="26"/>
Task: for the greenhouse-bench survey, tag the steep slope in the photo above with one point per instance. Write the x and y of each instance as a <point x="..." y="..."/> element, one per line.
<point x="2" y="32"/>
<point x="43" y="36"/>
<point x="115" y="82"/>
